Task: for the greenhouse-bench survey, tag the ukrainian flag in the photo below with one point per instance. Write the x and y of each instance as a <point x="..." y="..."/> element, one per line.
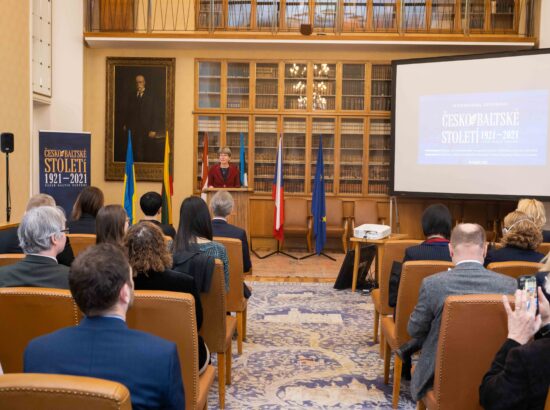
<point x="130" y="182"/>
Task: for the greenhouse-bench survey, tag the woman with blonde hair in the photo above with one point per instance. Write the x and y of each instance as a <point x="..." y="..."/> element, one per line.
<point x="535" y="210"/>
<point x="151" y="263"/>
<point x="521" y="237"/>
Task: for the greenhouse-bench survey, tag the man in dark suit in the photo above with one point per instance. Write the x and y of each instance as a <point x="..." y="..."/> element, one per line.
<point x="150" y="204"/>
<point x="143" y="118"/>
<point x="467" y="249"/>
<point x="520" y="374"/>
<point x="102" y="345"/>
<point x="42" y="235"/>
<point x="9" y="241"/>
<point x="222" y="205"/>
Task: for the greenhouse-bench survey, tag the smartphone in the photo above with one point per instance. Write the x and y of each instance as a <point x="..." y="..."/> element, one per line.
<point x="530" y="285"/>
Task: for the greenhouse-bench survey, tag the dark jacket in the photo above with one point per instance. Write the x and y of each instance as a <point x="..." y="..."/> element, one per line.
<point x="35" y="271"/>
<point x="216" y="179"/>
<point x="546" y="236"/>
<point x="86" y="224"/>
<point x="436" y="249"/>
<point x="174" y="281"/>
<point x="105" y="348"/>
<point x="511" y="253"/>
<point x="226" y="230"/>
<point x="519" y="377"/>
<point x="167" y="230"/>
<point x="9" y="243"/>
<point x="198" y="265"/>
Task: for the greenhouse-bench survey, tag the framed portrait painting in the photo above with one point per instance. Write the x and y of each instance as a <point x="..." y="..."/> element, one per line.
<point x="140" y="105"/>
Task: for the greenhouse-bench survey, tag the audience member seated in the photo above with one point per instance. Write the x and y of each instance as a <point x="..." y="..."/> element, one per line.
<point x="9" y="241"/>
<point x="467" y="249"/>
<point x="521" y="237"/>
<point x="195" y="234"/>
<point x="437" y="223"/>
<point x="151" y="204"/>
<point x="85" y="209"/>
<point x="520" y="374"/>
<point x="151" y="262"/>
<point x="42" y="237"/>
<point x="535" y="210"/>
<point x="101" y="345"/>
<point x="222" y="205"/>
<point x="111" y="225"/>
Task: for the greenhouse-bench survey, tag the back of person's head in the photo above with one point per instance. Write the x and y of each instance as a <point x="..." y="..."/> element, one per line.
<point x="222" y="204"/>
<point x="147" y="250"/>
<point x="520" y="231"/>
<point x="96" y="277"/>
<point x="194" y="223"/>
<point x="437" y="220"/>
<point x="534" y="209"/>
<point x="38" y="226"/>
<point x="468" y="242"/>
<point x="110" y="224"/>
<point x="40" y="200"/>
<point x="150" y="203"/>
<point x="89" y="201"/>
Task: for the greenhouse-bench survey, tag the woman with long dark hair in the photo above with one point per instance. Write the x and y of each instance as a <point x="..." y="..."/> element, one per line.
<point x="151" y="263"/>
<point x="85" y="209"/>
<point x="111" y="225"/>
<point x="195" y="233"/>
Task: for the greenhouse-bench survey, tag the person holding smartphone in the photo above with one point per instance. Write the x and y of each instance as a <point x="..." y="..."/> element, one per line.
<point x="520" y="373"/>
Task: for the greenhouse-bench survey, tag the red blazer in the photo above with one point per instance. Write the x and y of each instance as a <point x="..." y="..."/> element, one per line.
<point x="215" y="177"/>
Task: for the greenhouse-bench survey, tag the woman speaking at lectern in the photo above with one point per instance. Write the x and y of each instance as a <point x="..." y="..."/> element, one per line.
<point x="224" y="174"/>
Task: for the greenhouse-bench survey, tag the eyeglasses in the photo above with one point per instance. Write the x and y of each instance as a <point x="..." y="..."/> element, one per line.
<point x="66" y="230"/>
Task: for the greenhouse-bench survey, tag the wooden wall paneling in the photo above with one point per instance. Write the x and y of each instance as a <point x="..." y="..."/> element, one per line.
<point x="261" y="217"/>
<point x="337" y="142"/>
<point x="308" y="186"/>
<point x="223" y="81"/>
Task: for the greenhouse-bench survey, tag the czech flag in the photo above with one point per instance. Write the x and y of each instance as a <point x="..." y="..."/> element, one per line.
<point x="167" y="186"/>
<point x="278" y="195"/>
<point x="130" y="182"/>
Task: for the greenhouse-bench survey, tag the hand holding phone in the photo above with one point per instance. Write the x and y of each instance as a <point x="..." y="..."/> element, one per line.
<point x="530" y="285"/>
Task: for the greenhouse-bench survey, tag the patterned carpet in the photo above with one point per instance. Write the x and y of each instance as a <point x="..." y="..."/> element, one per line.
<point x="308" y="346"/>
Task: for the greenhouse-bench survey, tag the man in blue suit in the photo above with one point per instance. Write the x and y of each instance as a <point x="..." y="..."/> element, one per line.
<point x="102" y="346"/>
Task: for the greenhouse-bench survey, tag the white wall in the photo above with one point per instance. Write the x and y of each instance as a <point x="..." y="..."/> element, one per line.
<point x="65" y="113"/>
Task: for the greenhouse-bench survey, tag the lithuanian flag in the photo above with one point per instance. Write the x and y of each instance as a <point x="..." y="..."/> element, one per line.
<point x="167" y="187"/>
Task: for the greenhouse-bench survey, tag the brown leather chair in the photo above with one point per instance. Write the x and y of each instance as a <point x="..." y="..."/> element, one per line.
<point x="53" y="391"/>
<point x="547" y="404"/>
<point x="80" y="241"/>
<point x="26" y="313"/>
<point x="394" y="250"/>
<point x="297" y="222"/>
<point x="171" y="315"/>
<point x="10" y="258"/>
<point x="218" y="328"/>
<point x="234" y="299"/>
<point x="515" y="269"/>
<point x="395" y="332"/>
<point x="337" y="225"/>
<point x="473" y="328"/>
<point x="544" y="248"/>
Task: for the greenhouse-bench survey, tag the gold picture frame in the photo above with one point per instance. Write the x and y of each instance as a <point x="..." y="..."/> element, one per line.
<point x="140" y="102"/>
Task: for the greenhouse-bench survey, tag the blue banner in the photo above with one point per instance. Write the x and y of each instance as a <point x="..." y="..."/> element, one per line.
<point x="64" y="165"/>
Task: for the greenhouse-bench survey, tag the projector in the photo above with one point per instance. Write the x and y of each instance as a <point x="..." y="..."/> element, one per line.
<point x="372" y="231"/>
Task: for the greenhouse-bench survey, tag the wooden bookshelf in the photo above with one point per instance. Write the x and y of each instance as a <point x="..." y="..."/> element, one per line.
<point x="264" y="100"/>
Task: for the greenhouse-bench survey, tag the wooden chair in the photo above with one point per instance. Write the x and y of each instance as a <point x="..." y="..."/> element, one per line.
<point x="10" y="258"/>
<point x="171" y="315"/>
<point x="394" y="250"/>
<point x="473" y="328"/>
<point x="547" y="404"/>
<point x="297" y="222"/>
<point x="80" y="241"/>
<point x="26" y="313"/>
<point x="515" y="269"/>
<point x="218" y="328"/>
<point x="544" y="248"/>
<point x="365" y="212"/>
<point x="21" y="391"/>
<point x="234" y="299"/>
<point x="336" y="225"/>
<point x="395" y="332"/>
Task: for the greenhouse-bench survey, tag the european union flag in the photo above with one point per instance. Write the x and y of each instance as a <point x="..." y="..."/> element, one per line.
<point x="130" y="182"/>
<point x="318" y="206"/>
